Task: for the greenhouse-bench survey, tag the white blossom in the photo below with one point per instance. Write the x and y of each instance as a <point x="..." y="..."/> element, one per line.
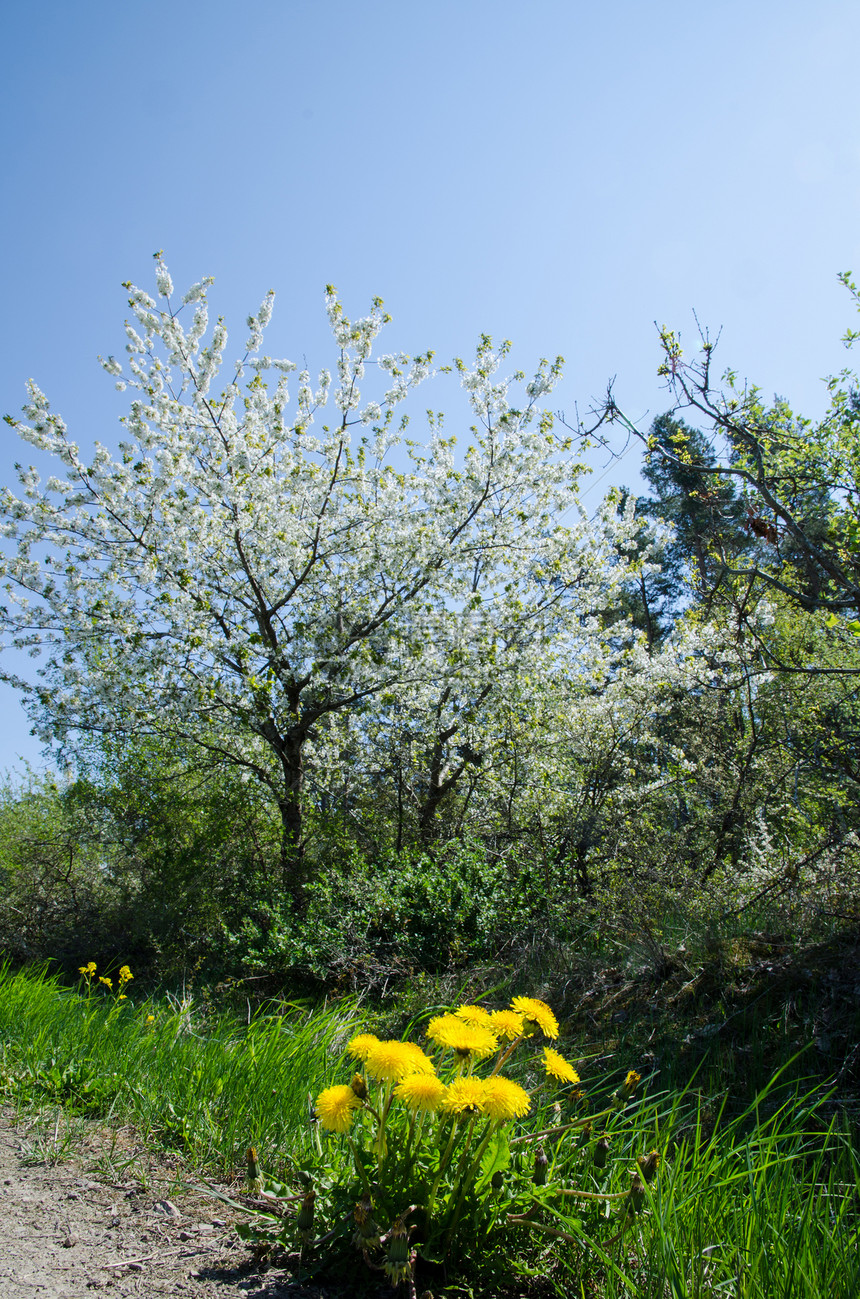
<point x="162" y="278"/>
<point x="240" y="574"/>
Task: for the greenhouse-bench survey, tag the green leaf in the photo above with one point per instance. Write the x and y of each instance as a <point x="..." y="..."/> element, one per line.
<point x="496" y="1158"/>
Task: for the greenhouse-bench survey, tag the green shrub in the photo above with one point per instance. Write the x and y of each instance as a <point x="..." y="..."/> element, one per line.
<point x="371" y="922"/>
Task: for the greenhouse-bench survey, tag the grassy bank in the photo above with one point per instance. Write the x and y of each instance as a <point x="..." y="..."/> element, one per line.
<point x="206" y="1087"/>
<point x="756" y="1199"/>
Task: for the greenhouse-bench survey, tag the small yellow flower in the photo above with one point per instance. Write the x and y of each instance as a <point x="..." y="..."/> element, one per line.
<point x="335" y="1106"/>
<point x="361" y="1046"/>
<point x="393" y="1060"/>
<point x="467" y="1039"/>
<point x="628" y="1087"/>
<point x="506" y="1024"/>
<point x="557" y="1067"/>
<point x="107" y="982"/>
<point x="124" y="974"/>
<point x="505" y="1099"/>
<point x="536" y="1014"/>
<point x="421" y="1091"/>
<point x="150" y="1019"/>
<point x="89" y="969"/>
<point x="474" y="1015"/>
<point x="122" y="997"/>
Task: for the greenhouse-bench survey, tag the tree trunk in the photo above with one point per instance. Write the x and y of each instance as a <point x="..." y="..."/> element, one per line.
<point x="440" y="782"/>
<point x="289" y="749"/>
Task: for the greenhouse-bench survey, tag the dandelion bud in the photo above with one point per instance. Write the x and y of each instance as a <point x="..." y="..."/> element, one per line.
<point x="585" y="1133"/>
<point x="397" y="1266"/>
<point x="255" y="1173"/>
<point x="601" y="1151"/>
<point x="540" y="1167"/>
<point x="359" y="1086"/>
<point x="366" y="1234"/>
<point x="637" y="1194"/>
<point x="648" y="1165"/>
<point x="305" y="1220"/>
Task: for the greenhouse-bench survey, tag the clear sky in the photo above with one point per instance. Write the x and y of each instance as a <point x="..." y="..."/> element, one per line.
<point x="560" y="173"/>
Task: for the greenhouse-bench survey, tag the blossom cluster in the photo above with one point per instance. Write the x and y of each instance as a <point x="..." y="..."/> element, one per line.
<point x="426" y="1149"/>
<point x="471" y="1034"/>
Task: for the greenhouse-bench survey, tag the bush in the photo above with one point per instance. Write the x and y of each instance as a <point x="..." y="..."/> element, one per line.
<point x="372" y="922"/>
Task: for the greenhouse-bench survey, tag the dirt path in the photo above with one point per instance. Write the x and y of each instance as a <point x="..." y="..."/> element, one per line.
<point x="65" y="1235"/>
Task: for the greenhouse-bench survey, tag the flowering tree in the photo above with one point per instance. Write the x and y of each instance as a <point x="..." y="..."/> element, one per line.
<point x="242" y="575"/>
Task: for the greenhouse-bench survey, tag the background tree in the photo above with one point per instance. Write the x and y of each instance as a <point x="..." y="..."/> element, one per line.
<point x="798" y="480"/>
<point x="242" y="575"/>
<point x="710" y="533"/>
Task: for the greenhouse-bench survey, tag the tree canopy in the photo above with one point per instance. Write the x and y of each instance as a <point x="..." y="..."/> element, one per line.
<point x="249" y="572"/>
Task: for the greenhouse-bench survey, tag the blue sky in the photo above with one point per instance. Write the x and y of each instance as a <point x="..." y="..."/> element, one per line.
<point x="562" y="174"/>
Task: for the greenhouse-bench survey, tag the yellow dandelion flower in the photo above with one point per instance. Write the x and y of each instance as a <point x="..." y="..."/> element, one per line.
<point x="536" y="1014"/>
<point x="505" y="1099"/>
<point x="335" y="1106"/>
<point x="436" y="1029"/>
<point x="420" y="1062"/>
<point x="628" y="1087"/>
<point x="506" y="1024"/>
<point x="464" y="1096"/>
<point x="557" y="1067"/>
<point x="421" y="1091"/>
<point x="466" y="1039"/>
<point x="361" y="1046"/>
<point x="474" y="1015"/>
<point x="393" y="1060"/>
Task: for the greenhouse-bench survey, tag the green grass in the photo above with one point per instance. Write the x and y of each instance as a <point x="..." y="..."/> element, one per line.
<point x="756" y="1201"/>
<point x="208" y="1092"/>
<point x="764" y="1206"/>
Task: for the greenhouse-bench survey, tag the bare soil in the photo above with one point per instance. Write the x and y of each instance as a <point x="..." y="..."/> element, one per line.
<point x="67" y="1232"/>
